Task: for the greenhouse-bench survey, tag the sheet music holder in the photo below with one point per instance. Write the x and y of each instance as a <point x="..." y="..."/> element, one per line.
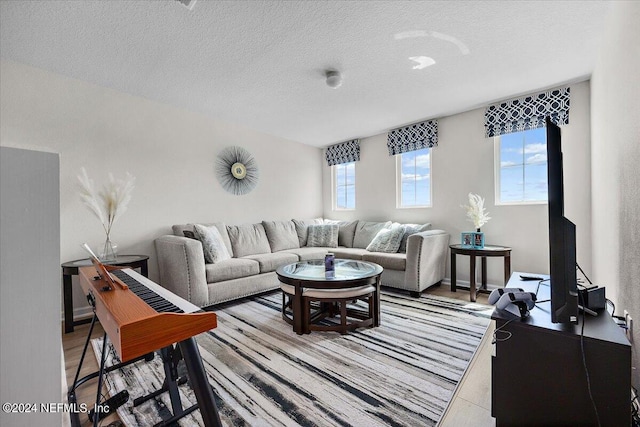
<point x="103" y="271"/>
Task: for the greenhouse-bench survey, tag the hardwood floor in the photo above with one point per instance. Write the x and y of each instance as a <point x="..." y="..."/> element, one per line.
<point x="470" y="406"/>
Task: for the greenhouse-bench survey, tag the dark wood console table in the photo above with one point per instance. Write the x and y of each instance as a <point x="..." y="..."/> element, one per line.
<point x="483" y="253"/>
<point x="70" y="269"/>
<point x="538" y="377"/>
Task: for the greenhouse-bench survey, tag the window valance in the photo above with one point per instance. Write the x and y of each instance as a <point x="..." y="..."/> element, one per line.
<point x="345" y="152"/>
<point x="413" y="137"/>
<point x="528" y="112"/>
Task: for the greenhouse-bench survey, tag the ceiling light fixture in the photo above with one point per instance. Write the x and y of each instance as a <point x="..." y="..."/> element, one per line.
<point x="188" y="3"/>
<point x="422" y="62"/>
<point x="334" y="78"/>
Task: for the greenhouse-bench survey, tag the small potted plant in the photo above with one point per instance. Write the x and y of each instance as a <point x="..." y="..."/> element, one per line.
<point x="476" y="214"/>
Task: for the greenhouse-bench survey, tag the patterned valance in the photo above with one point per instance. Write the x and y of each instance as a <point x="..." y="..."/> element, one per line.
<point x="528" y="112"/>
<point x="414" y="137"/>
<point x="345" y="152"/>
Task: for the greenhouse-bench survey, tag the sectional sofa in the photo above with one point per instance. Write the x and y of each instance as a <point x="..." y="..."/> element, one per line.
<point x="252" y="253"/>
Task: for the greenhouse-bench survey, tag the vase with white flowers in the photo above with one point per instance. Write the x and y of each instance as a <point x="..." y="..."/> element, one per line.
<point x="107" y="204"/>
<point x="476" y="212"/>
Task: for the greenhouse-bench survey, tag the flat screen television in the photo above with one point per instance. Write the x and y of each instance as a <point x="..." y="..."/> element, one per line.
<point x="562" y="237"/>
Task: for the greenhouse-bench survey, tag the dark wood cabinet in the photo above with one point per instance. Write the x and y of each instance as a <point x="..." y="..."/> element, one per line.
<point x="538" y="369"/>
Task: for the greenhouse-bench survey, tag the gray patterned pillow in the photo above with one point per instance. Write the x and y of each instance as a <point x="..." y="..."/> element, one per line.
<point x="325" y="235"/>
<point x="212" y="244"/>
<point x="410" y="229"/>
<point x="387" y="240"/>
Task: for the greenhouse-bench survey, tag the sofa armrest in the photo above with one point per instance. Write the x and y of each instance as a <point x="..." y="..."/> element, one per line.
<point x="426" y="259"/>
<point x="181" y="265"/>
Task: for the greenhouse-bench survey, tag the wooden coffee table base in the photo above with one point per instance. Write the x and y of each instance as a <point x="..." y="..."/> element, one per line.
<point x="331" y="306"/>
<point x="352" y="280"/>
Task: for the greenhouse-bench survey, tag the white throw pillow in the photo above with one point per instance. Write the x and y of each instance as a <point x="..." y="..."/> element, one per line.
<point x="325" y="235"/>
<point x="387" y="240"/>
<point x="212" y="245"/>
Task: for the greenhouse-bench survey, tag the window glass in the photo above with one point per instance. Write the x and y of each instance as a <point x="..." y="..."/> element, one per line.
<point x="345" y="185"/>
<point x="521" y="167"/>
<point x="414" y="178"/>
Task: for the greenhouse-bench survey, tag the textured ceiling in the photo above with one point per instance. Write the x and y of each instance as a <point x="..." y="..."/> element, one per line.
<point x="261" y="64"/>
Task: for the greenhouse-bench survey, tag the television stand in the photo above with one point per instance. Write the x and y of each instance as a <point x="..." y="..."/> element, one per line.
<point x="537" y="372"/>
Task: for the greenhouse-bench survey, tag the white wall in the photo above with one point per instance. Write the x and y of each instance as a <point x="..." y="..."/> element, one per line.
<point x="463" y="162"/>
<point x="29" y="285"/>
<point x="615" y="113"/>
<point x="170" y="151"/>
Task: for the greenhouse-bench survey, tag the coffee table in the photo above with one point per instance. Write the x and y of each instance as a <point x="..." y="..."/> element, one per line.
<point x="348" y="273"/>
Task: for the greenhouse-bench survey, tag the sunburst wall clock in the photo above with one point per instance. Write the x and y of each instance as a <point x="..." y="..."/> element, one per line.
<point x="236" y="170"/>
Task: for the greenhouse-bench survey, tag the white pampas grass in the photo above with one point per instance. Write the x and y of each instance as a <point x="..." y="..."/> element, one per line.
<point x="109" y="203"/>
<point x="475" y="211"/>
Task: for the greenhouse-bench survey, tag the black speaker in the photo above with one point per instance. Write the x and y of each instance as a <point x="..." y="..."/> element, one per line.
<point x="593" y="299"/>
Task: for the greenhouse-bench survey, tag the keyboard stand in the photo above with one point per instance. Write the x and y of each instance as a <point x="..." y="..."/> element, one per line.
<point x="74" y="413"/>
<point x="171" y="356"/>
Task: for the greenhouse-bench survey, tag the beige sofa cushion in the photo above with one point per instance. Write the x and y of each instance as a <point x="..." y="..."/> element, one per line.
<point x="366" y="231"/>
<point x="349" y="253"/>
<point x="269" y="262"/>
<point x="388" y="261"/>
<point x="233" y="268"/>
<point x="307" y="253"/>
<point x="248" y="239"/>
<point x="281" y="235"/>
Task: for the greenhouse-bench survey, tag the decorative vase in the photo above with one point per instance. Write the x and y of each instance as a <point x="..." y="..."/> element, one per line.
<point x="109" y="251"/>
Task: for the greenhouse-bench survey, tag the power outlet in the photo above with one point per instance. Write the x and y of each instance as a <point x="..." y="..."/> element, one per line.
<point x="629" y="323"/>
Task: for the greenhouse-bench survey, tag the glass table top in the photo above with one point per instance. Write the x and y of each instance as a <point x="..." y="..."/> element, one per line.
<point x="345" y="269"/>
<point x="121" y="259"/>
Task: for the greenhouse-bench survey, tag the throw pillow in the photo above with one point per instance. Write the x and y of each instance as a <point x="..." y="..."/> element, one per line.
<point x="387" y="240"/>
<point x="212" y="244"/>
<point x="325" y="235"/>
<point x="301" y="229"/>
<point x="346" y="231"/>
<point x="410" y="229"/>
<point x="366" y="231"/>
<point x="189" y="234"/>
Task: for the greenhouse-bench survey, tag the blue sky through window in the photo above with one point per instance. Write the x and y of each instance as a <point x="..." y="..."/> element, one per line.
<point x="523" y="167"/>
<point x="415" y="179"/>
<point x="345" y="179"/>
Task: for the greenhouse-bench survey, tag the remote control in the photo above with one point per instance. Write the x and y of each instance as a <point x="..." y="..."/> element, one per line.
<point x="527" y="277"/>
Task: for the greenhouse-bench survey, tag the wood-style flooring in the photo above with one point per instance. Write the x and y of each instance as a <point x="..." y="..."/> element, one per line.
<point x="470" y="406"/>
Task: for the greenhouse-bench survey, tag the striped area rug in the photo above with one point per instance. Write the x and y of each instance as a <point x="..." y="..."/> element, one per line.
<point x="402" y="373"/>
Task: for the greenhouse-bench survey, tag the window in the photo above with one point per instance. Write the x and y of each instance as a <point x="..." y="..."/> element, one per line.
<point x="414" y="178"/>
<point x="344" y="178"/>
<point x="521" y="167"/>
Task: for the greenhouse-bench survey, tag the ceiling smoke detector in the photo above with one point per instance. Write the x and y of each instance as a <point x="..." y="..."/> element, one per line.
<point x="187" y="3"/>
<point x="334" y="78"/>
